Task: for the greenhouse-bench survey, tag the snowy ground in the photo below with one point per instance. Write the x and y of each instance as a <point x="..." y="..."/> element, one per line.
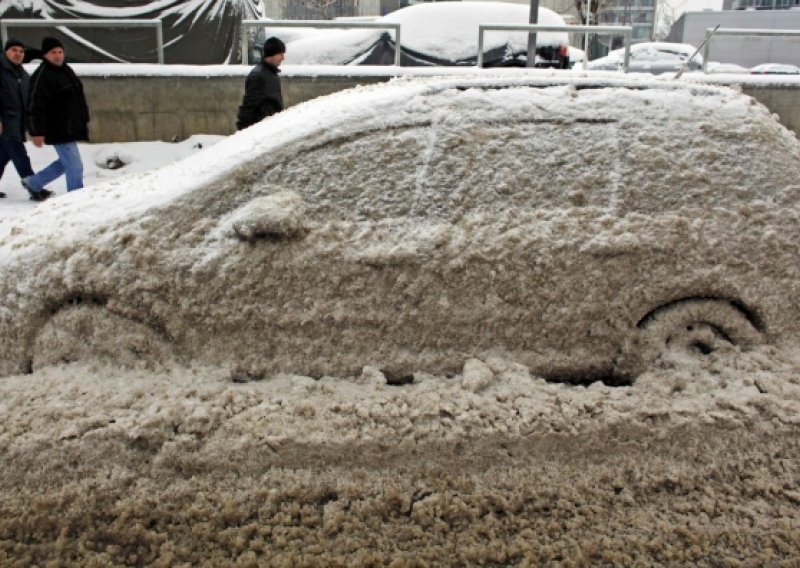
<point x="100" y="162"/>
<point x="696" y="464"/>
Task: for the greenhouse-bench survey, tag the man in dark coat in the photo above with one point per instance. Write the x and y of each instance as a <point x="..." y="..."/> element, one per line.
<point x="262" y="89"/>
<point x="58" y="116"/>
<point x="14" y="84"/>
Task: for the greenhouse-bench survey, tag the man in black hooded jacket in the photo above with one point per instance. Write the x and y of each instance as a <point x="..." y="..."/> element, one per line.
<point x="58" y="116"/>
<point x="14" y="82"/>
<point x="262" y="88"/>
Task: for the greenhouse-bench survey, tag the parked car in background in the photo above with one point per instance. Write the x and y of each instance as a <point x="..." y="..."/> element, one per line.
<point x="651" y="57"/>
<point x="775" y="69"/>
<point x="433" y="34"/>
<point x="581" y="227"/>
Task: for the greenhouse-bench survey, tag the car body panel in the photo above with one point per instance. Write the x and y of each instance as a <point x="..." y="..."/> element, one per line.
<point x="414" y="225"/>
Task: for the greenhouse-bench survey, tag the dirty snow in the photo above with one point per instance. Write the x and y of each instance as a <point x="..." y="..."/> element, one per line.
<point x="490" y="463"/>
<point x="694" y="464"/>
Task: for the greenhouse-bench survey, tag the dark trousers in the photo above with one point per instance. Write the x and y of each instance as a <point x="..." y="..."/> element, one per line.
<point x="14" y="151"/>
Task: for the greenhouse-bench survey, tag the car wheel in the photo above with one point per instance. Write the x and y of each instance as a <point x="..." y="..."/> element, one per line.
<point x="93" y="333"/>
<point x="693" y="327"/>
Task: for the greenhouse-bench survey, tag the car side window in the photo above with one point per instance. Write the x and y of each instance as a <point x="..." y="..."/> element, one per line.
<point x="368" y="176"/>
<point x="543" y="164"/>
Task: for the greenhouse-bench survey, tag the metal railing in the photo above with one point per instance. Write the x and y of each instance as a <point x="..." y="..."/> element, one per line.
<point x="320" y="24"/>
<point x="9" y="22"/>
<point x="740" y="32"/>
<point x="626" y="31"/>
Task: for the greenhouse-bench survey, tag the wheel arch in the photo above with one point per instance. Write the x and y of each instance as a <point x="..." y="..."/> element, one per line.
<point x="751" y="314"/>
<point x="52" y="307"/>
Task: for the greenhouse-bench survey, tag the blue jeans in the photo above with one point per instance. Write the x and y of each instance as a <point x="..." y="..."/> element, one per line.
<point x="68" y="162"/>
<point x="14" y="151"/>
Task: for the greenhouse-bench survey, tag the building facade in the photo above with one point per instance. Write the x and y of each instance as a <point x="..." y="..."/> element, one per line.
<point x="760" y="4"/>
<point x="639" y="14"/>
<point x="745" y="51"/>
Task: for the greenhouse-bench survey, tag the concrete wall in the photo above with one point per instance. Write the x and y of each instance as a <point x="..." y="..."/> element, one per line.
<point x="747" y="51"/>
<point x="173" y="107"/>
<point x="782" y="100"/>
<point x="161" y="107"/>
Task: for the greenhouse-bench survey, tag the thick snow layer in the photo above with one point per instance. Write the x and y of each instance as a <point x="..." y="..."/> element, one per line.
<point x="451" y="28"/>
<point x="369" y="199"/>
<point x="365" y="103"/>
<point x="696" y="463"/>
<point x="491" y="463"/>
<point x="731" y="76"/>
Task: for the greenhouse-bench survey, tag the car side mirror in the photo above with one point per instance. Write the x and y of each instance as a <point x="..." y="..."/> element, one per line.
<point x="280" y="215"/>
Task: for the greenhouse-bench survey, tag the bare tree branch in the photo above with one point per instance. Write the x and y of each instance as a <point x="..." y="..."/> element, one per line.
<point x="594" y="6"/>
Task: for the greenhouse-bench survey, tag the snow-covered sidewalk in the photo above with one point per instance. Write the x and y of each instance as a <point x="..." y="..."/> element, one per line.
<point x="100" y="162"/>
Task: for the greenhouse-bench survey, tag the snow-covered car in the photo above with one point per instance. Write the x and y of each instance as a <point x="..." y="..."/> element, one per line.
<point x="582" y="228"/>
<point x="433" y="34"/>
<point x="651" y="57"/>
<point x="775" y="69"/>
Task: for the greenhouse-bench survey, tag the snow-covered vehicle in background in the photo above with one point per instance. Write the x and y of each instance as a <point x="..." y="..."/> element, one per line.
<point x="651" y="57"/>
<point x="580" y="227"/>
<point x="775" y="69"/>
<point x="432" y="34"/>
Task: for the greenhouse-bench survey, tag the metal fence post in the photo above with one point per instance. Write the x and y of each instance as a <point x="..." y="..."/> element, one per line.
<point x="480" y="45"/>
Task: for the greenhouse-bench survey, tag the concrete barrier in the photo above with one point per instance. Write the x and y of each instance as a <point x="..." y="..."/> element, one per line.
<point x="782" y="100"/>
<point x="148" y="102"/>
<point x="131" y="108"/>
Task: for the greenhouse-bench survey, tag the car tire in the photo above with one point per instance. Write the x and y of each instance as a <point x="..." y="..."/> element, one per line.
<point x="695" y="327"/>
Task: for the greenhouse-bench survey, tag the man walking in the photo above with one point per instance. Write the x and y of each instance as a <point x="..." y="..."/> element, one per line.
<point x="59" y="116"/>
<point x="262" y="88"/>
<point x="14" y="84"/>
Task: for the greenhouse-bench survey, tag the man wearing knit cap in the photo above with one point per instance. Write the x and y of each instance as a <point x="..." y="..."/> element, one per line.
<point x="262" y="88"/>
<point x="14" y="83"/>
<point x="58" y="116"/>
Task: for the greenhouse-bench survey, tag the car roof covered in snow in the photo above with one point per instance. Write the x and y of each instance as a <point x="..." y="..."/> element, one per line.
<point x="371" y="108"/>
